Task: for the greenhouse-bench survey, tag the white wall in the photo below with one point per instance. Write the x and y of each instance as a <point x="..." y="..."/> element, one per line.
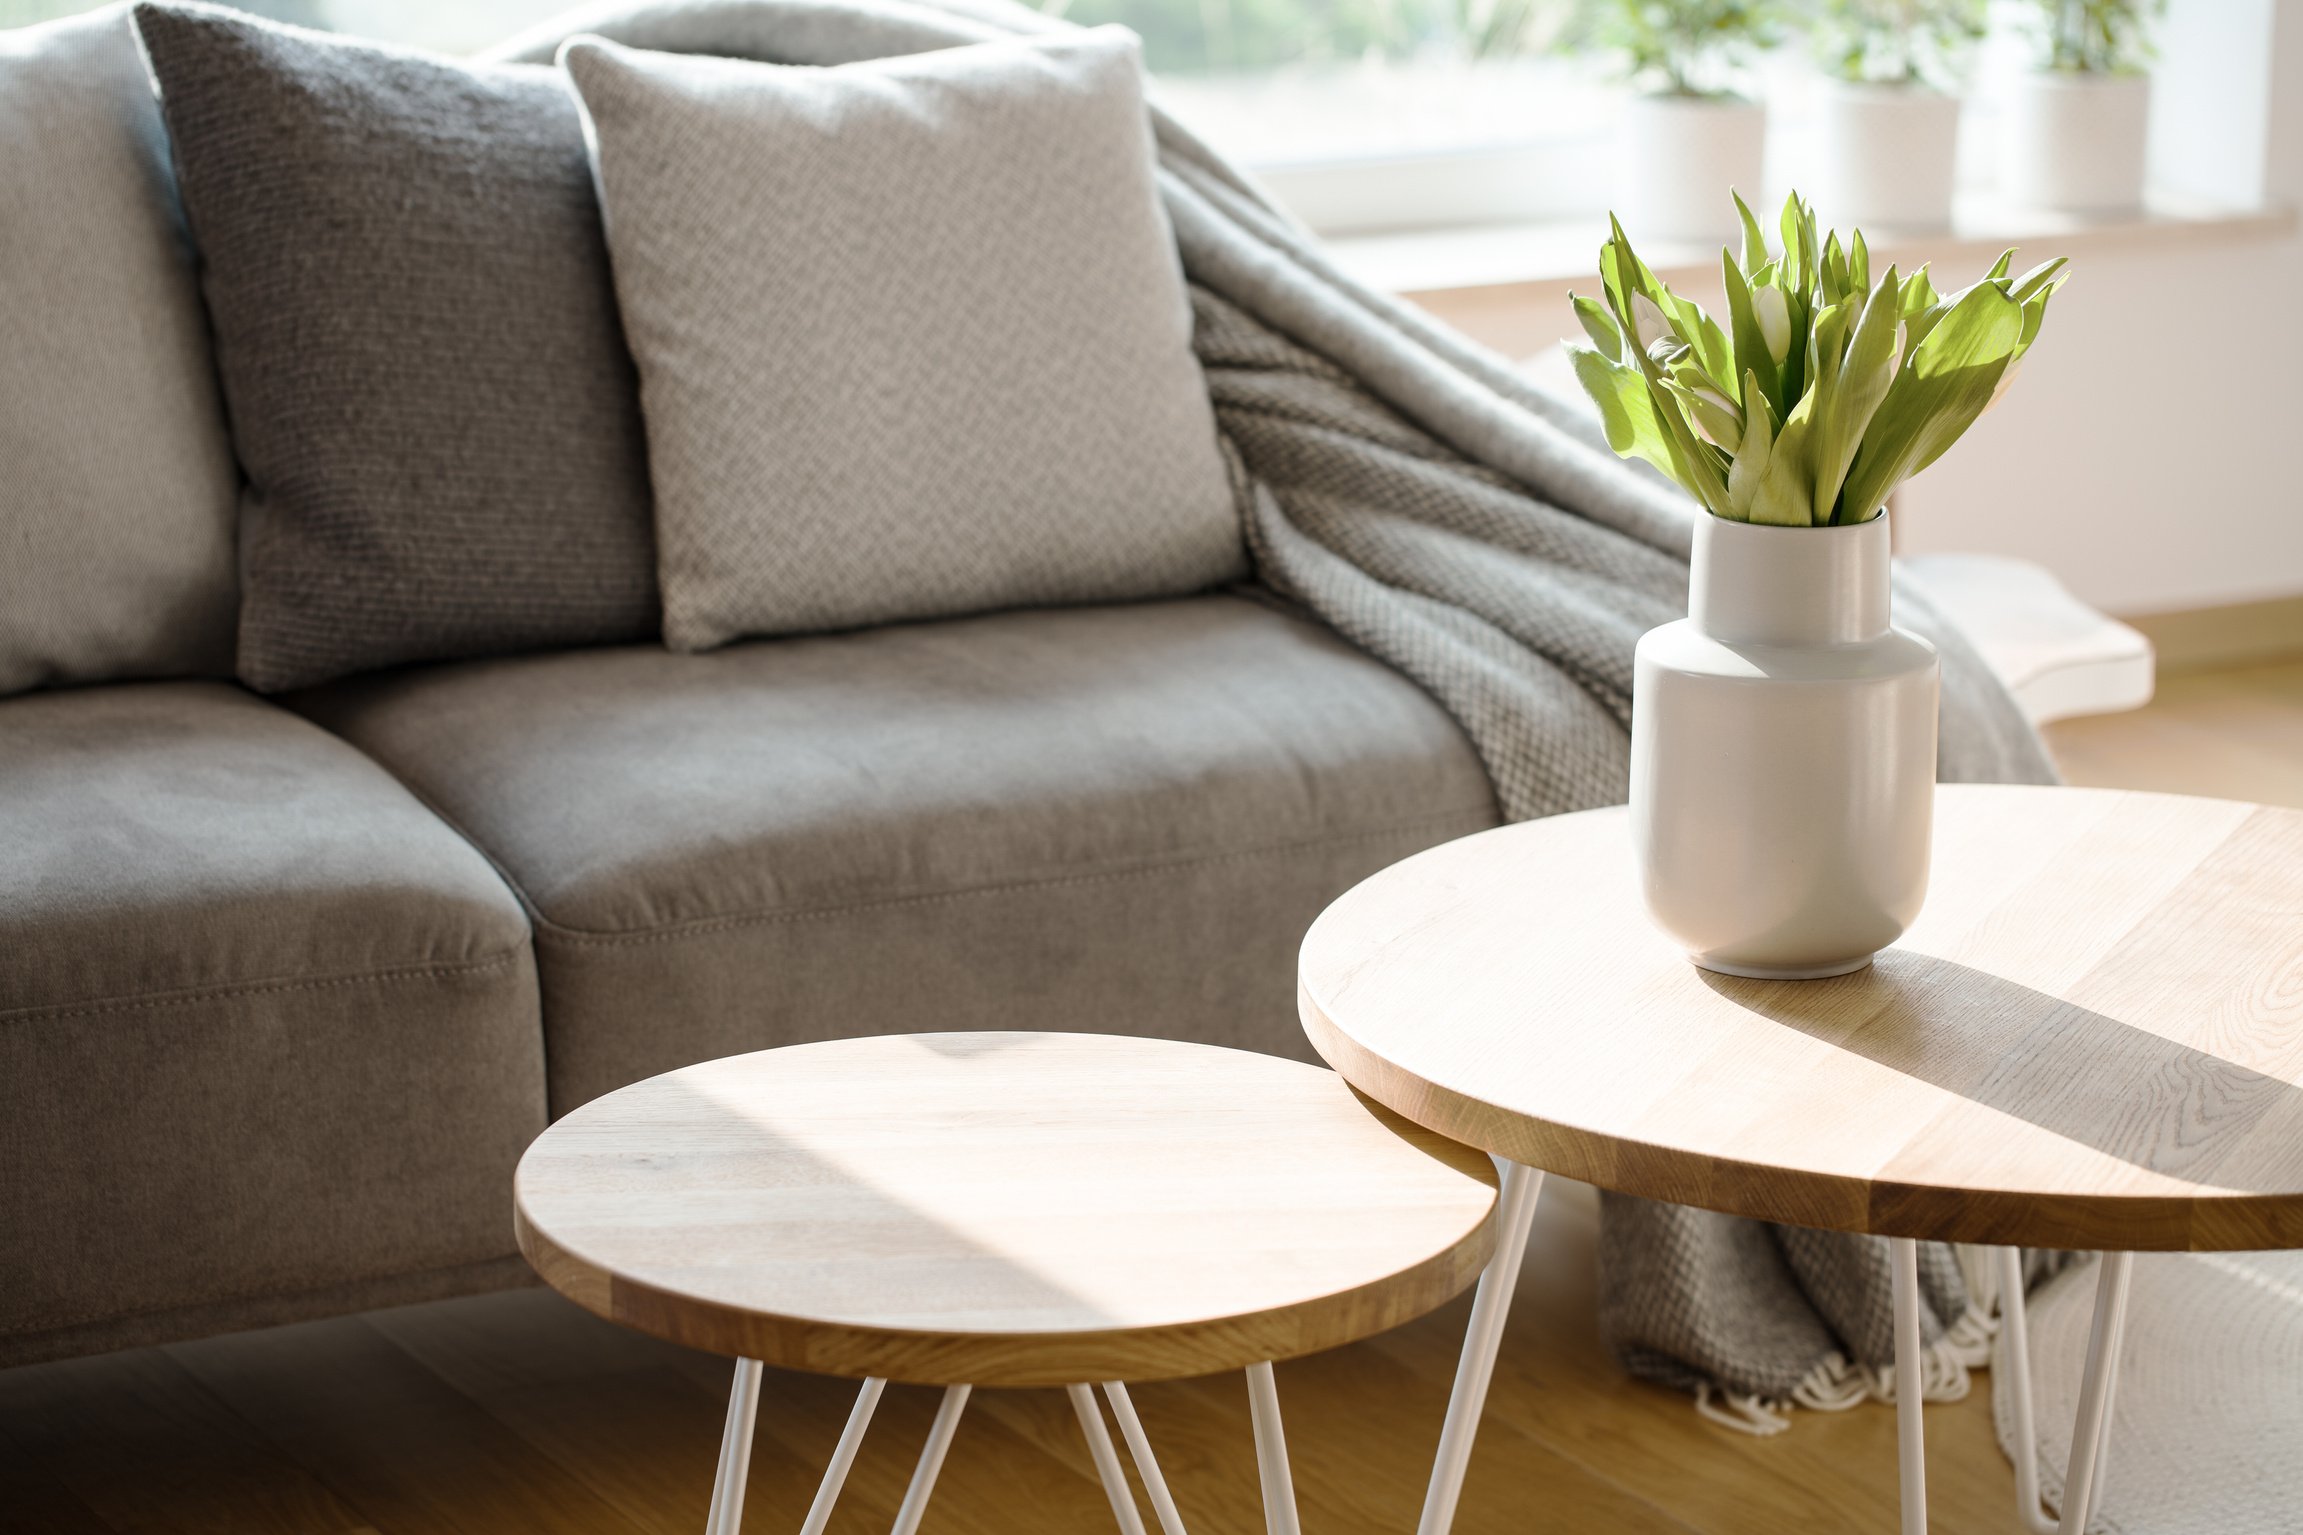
<point x="2152" y="452"/>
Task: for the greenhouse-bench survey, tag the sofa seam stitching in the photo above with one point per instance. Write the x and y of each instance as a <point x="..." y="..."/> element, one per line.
<point x="611" y="938"/>
<point x="258" y="988"/>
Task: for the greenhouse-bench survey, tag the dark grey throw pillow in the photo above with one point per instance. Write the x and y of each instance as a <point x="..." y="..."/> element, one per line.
<point x="414" y="322"/>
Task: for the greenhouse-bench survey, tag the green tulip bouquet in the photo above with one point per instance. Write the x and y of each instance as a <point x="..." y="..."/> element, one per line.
<point x="1825" y="390"/>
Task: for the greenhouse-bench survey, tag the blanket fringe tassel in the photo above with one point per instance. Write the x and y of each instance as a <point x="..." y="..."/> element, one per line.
<point x="1838" y="1383"/>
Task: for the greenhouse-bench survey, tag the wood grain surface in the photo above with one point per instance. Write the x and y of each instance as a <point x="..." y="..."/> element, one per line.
<point x="2093" y="1036"/>
<point x="1002" y="1209"/>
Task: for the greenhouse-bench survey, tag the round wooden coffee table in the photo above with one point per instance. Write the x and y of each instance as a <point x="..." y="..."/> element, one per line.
<point x="2092" y="1038"/>
<point x="1002" y="1210"/>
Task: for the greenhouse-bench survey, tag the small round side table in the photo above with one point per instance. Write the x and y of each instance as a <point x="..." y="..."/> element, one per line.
<point x="2092" y="1038"/>
<point x="1003" y="1210"/>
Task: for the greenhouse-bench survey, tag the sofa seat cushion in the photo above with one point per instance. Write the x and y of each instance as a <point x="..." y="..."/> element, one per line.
<point x="1115" y="818"/>
<point x="266" y="1024"/>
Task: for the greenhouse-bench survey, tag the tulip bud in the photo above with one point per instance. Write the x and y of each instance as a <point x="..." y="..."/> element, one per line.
<point x="1714" y="416"/>
<point x="1773" y="312"/>
<point x="1648" y="320"/>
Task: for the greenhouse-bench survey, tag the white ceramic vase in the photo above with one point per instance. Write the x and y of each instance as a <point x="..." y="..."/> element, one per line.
<point x="2075" y="143"/>
<point x="1885" y="156"/>
<point x="1680" y="156"/>
<point x="1783" y="754"/>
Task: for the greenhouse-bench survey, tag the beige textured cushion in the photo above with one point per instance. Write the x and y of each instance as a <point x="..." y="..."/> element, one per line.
<point x="912" y="335"/>
<point x="117" y="487"/>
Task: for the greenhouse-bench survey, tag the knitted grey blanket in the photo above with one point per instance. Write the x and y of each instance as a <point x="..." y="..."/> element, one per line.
<point x="1434" y="506"/>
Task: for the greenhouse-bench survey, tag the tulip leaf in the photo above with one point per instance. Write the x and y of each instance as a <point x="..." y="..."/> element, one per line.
<point x="1639" y="426"/>
<point x="1781" y="495"/>
<point x="1945" y="385"/>
<point x="1850" y="394"/>
<point x="2034" y="315"/>
<point x="1755" y="251"/>
<point x="1831" y="275"/>
<point x="1751" y="460"/>
<point x="1796" y="256"/>
<point x="1626" y="411"/>
<point x="1708" y="341"/>
<point x="1750" y="345"/>
<point x="2037" y="278"/>
<point x="1599" y="325"/>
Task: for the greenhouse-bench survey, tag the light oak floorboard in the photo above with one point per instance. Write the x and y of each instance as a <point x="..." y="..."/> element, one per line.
<point x="2235" y="734"/>
<point x="518" y="1412"/>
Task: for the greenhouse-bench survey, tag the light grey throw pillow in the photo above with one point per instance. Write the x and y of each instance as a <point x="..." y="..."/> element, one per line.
<point x="912" y="334"/>
<point x="118" y="494"/>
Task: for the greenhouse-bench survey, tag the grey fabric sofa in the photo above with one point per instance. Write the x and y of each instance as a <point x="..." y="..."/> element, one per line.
<point x="287" y="984"/>
<point x="287" y="989"/>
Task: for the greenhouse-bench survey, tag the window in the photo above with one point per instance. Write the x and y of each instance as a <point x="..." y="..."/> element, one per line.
<point x="450" y="26"/>
<point x="1358" y="113"/>
<point x="1368" y="116"/>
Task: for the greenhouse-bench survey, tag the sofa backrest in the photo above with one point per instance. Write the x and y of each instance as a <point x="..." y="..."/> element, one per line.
<point x="117" y="481"/>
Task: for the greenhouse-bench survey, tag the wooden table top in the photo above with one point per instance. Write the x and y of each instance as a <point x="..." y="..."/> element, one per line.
<point x="1002" y="1209"/>
<point x="2092" y="1038"/>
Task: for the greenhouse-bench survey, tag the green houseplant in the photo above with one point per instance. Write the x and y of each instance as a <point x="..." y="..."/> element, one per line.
<point x="1783" y="733"/>
<point x="2096" y="37"/>
<point x="2077" y="125"/>
<point x="1895" y="42"/>
<point x="1888" y="120"/>
<point x="1690" y="48"/>
<point x="1686" y="133"/>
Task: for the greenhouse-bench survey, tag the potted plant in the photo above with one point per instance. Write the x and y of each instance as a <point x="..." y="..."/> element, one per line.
<point x="1888" y="130"/>
<point x="1783" y="733"/>
<point x="2076" y="126"/>
<point x="1687" y="134"/>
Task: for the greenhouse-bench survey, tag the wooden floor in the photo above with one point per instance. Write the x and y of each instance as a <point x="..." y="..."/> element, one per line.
<point x="518" y="1413"/>
<point x="2232" y="734"/>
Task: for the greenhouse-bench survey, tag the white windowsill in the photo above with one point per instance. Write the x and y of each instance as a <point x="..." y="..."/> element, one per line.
<point x="1489" y="260"/>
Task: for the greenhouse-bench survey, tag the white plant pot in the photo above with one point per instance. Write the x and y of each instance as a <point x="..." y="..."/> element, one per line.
<point x="2075" y="143"/>
<point x="1680" y="156"/>
<point x="1783" y="754"/>
<point x="1885" y="156"/>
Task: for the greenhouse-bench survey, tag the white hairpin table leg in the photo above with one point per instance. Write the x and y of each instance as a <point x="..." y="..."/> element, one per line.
<point x="2091" y="1434"/>
<point x="1147" y="1465"/>
<point x="727" y="1506"/>
<point x="2015" y="1358"/>
<point x="2098" y="1393"/>
<point x="1107" y="1459"/>
<point x="932" y="1453"/>
<point x="1910" y="1385"/>
<point x="1514" y="1214"/>
<point x="843" y="1456"/>
<point x="1279" y="1515"/>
